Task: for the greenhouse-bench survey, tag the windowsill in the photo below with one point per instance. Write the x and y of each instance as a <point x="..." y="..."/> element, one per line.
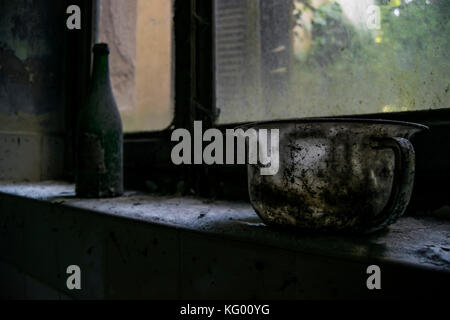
<point x="423" y="242"/>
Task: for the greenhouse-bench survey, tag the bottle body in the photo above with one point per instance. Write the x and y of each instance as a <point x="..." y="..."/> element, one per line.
<point x="99" y="136"/>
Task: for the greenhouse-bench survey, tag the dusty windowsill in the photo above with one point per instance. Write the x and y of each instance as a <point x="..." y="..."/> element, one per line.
<point x="423" y="242"/>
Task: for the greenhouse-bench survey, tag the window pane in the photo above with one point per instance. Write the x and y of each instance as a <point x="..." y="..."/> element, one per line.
<point x="303" y="58"/>
<point x="139" y="33"/>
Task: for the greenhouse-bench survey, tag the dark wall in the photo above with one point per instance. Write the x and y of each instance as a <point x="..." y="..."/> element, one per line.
<point x="31" y="57"/>
<point x="32" y="121"/>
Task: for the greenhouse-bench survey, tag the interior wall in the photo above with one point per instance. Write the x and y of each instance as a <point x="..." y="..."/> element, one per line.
<point x="31" y="108"/>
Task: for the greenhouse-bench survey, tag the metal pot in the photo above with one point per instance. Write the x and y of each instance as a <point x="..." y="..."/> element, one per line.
<point x="336" y="175"/>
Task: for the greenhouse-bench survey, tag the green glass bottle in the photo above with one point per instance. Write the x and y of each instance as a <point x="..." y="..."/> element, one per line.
<point x="99" y="136"/>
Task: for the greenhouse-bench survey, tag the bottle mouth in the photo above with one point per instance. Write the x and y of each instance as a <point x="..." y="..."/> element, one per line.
<point x="101" y="48"/>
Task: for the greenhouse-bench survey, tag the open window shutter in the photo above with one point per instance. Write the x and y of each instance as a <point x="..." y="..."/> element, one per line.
<point x="237" y="57"/>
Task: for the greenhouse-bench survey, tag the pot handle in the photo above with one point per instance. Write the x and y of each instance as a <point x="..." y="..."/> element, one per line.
<point x="403" y="180"/>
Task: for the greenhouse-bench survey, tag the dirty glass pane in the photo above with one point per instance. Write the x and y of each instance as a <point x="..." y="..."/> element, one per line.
<point x="139" y="33"/>
<point x="303" y="58"/>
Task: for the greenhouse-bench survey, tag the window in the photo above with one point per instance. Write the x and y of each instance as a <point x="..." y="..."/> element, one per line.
<point x="309" y="58"/>
<point x="139" y="33"/>
<point x="240" y="60"/>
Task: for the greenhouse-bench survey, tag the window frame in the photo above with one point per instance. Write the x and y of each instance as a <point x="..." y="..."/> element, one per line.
<point x="76" y="70"/>
<point x="147" y="163"/>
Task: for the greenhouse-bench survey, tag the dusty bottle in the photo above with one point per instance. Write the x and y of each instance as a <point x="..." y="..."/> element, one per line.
<point x="99" y="136"/>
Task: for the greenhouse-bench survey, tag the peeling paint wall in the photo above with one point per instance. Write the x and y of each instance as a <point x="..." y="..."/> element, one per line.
<point x="31" y="60"/>
<point x="31" y="108"/>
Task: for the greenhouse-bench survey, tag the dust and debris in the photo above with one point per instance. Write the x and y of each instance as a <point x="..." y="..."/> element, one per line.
<point x="423" y="241"/>
<point x="435" y="254"/>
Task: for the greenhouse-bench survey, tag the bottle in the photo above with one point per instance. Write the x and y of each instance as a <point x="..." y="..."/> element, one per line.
<point x="99" y="136"/>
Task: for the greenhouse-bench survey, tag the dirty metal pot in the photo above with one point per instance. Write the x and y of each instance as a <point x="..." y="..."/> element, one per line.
<point x="336" y="175"/>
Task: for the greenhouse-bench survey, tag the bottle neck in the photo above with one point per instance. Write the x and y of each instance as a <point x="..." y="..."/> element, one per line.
<point x="100" y="72"/>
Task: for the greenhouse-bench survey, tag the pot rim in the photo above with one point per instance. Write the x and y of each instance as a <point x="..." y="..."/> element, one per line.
<point x="339" y="120"/>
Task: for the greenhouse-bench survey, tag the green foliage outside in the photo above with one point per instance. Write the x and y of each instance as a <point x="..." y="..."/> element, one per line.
<point x="349" y="69"/>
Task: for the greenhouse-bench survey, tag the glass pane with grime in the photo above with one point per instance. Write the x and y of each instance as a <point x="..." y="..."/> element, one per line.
<point x="279" y="59"/>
